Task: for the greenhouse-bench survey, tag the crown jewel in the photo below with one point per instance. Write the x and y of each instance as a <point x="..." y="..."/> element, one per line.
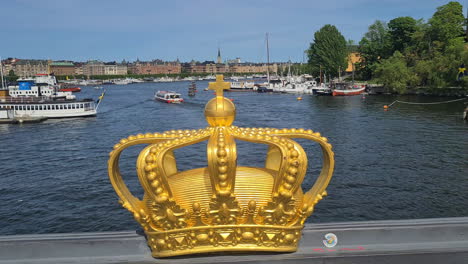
<point x="222" y="207"/>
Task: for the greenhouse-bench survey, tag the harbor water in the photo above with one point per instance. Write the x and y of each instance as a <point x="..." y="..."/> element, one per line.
<point x="406" y="163"/>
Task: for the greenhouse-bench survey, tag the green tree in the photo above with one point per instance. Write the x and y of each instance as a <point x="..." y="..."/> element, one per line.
<point x="394" y="74"/>
<point x="11" y="73"/>
<point x="328" y="50"/>
<point x="373" y="46"/>
<point x="447" y="23"/>
<point x="401" y="30"/>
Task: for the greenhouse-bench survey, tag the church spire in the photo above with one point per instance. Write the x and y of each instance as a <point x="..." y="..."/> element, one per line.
<point x="219" y="60"/>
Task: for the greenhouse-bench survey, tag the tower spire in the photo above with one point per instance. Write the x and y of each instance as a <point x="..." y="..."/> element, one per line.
<point x="219" y="60"/>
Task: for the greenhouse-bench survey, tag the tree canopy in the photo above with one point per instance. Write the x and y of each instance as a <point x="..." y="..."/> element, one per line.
<point x="373" y="47"/>
<point x="401" y="31"/>
<point x="409" y="52"/>
<point x="328" y="51"/>
<point x="447" y="22"/>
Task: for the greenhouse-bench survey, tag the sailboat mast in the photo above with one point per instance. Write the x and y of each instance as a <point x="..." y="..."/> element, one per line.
<point x="268" y="59"/>
<point x="1" y="73"/>
<point x="320" y="74"/>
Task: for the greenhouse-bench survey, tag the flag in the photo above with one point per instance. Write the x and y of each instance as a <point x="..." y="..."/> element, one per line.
<point x="100" y="97"/>
<point x="461" y="72"/>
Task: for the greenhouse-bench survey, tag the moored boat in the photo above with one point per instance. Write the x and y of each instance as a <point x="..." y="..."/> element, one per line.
<point x="321" y="89"/>
<point x="242" y="86"/>
<point x="346" y="89"/>
<point x="168" y="97"/>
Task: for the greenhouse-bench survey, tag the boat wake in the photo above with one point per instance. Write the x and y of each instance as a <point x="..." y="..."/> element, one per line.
<point x="127" y="106"/>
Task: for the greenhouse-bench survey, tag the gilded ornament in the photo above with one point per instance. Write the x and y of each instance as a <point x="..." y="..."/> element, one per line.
<point x="223" y="206"/>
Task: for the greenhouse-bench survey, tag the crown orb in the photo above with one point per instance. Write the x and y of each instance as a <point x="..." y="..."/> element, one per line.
<point x="220" y="112"/>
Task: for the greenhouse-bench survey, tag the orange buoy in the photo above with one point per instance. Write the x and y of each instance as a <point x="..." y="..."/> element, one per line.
<point x="385" y="107"/>
<point x="299" y="98"/>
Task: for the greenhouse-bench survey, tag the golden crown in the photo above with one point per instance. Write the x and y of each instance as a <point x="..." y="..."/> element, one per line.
<point x="222" y="207"/>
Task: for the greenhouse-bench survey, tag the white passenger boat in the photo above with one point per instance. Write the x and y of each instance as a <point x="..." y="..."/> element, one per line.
<point x="39" y="97"/>
<point x="242" y="86"/>
<point x="168" y="97"/>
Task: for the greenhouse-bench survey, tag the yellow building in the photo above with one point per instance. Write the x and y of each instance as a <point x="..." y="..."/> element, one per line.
<point x="353" y="58"/>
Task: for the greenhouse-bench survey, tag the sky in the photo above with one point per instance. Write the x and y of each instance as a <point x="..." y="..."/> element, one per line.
<point x="114" y="30"/>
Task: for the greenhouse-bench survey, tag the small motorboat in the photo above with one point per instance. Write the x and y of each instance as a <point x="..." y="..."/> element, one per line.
<point x="168" y="97"/>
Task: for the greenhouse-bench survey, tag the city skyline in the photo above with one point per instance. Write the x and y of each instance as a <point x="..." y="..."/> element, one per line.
<point x="147" y="30"/>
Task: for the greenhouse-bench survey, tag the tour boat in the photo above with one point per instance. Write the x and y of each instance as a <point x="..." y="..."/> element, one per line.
<point x="347" y="89"/>
<point x="168" y="97"/>
<point x="40" y="97"/>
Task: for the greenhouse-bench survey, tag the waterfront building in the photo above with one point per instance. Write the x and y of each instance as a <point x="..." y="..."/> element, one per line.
<point x="62" y="68"/>
<point x="211" y="67"/>
<point x="234" y="61"/>
<point x="27" y="68"/>
<point x="253" y="68"/>
<point x="79" y="68"/>
<point x="193" y="67"/>
<point x="112" y="68"/>
<point x="93" y="68"/>
<point x="8" y="65"/>
<point x="155" y="67"/>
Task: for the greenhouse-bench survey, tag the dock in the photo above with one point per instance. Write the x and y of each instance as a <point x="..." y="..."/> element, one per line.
<point x="440" y="240"/>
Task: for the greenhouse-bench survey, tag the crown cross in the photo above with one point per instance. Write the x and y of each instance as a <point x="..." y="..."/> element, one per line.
<point x="219" y="85"/>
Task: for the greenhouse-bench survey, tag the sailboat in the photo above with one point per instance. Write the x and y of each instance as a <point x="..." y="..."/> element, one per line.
<point x="265" y="88"/>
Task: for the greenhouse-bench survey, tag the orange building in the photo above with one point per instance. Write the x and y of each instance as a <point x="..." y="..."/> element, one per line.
<point x="353" y="58"/>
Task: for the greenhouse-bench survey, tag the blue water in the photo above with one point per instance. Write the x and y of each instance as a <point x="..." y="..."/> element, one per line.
<point x="409" y="162"/>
